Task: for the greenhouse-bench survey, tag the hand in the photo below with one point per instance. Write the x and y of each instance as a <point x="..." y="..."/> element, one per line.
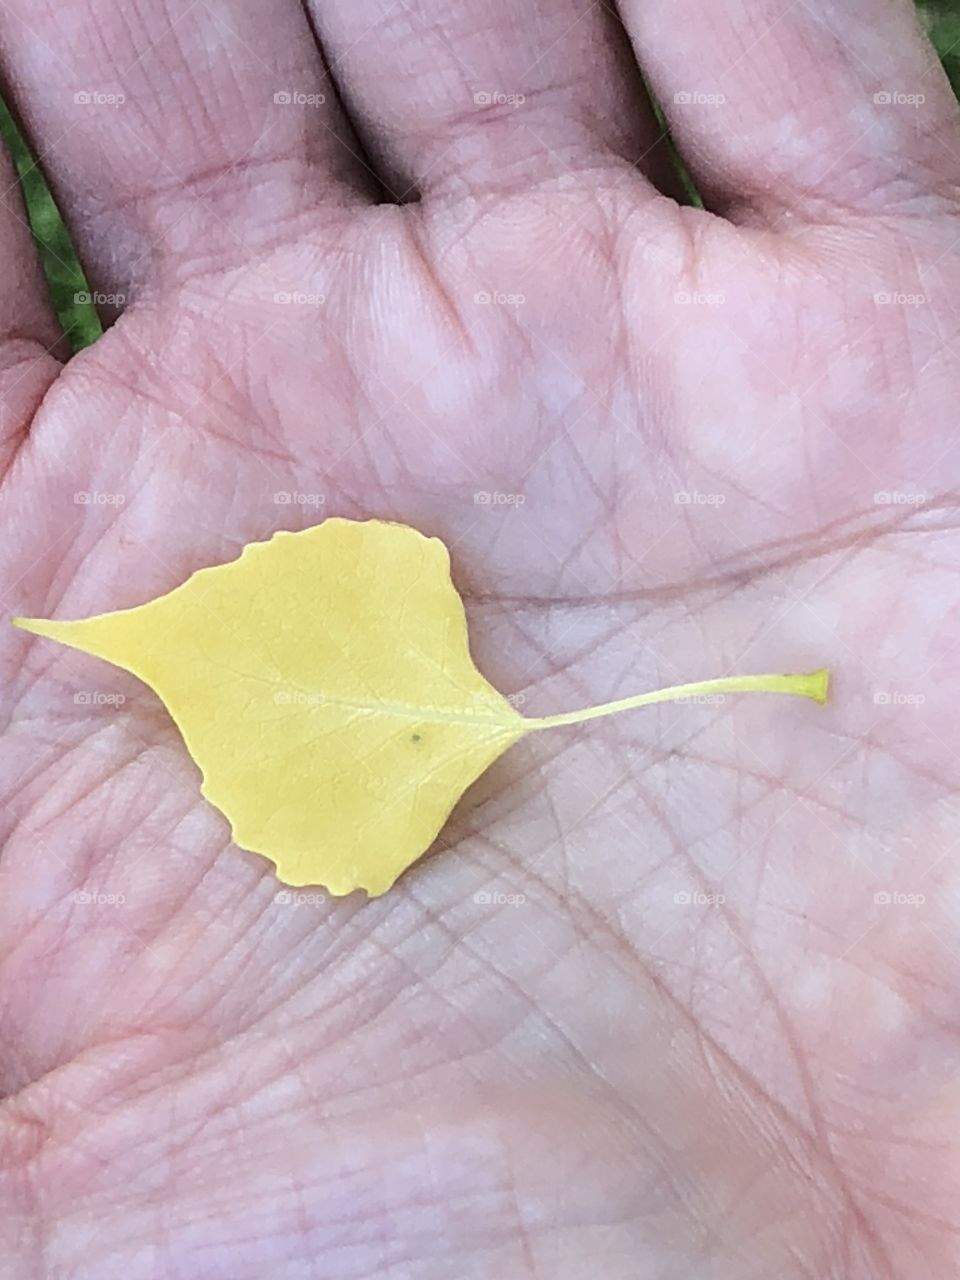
<point x="675" y="996"/>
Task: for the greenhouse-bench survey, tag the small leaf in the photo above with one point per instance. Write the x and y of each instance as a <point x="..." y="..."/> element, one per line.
<point x="323" y="683"/>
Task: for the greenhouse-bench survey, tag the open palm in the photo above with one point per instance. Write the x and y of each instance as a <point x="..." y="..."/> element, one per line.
<point x="675" y="994"/>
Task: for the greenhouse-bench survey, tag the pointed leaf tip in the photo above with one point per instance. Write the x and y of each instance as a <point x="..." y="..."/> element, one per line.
<point x="26" y="624"/>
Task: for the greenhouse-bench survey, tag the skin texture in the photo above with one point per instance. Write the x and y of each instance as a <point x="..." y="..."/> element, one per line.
<point x="675" y="995"/>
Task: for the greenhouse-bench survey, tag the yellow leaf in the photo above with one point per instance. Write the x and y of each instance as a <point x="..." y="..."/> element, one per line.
<point x="323" y="683"/>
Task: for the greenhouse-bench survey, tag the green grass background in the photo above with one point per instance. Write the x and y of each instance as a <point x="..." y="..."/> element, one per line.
<point x="65" y="275"/>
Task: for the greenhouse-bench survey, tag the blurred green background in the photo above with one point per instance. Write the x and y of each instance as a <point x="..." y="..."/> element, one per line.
<point x="79" y="318"/>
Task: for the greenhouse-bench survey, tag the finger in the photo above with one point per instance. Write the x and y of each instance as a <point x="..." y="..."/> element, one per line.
<point x="489" y="93"/>
<point x="29" y="332"/>
<point x="806" y="106"/>
<point x="176" y="128"/>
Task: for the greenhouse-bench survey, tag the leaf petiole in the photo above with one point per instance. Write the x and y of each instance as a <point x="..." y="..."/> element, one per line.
<point x="813" y="684"/>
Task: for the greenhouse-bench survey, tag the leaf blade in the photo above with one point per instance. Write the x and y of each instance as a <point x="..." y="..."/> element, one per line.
<point x="336" y="745"/>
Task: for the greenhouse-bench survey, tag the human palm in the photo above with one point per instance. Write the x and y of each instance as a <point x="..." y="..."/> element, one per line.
<point x="674" y="994"/>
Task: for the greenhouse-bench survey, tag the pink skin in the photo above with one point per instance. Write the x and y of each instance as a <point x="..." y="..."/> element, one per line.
<point x="642" y="1011"/>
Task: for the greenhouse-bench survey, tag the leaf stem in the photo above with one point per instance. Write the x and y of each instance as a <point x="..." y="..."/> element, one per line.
<point x="812" y="685"/>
